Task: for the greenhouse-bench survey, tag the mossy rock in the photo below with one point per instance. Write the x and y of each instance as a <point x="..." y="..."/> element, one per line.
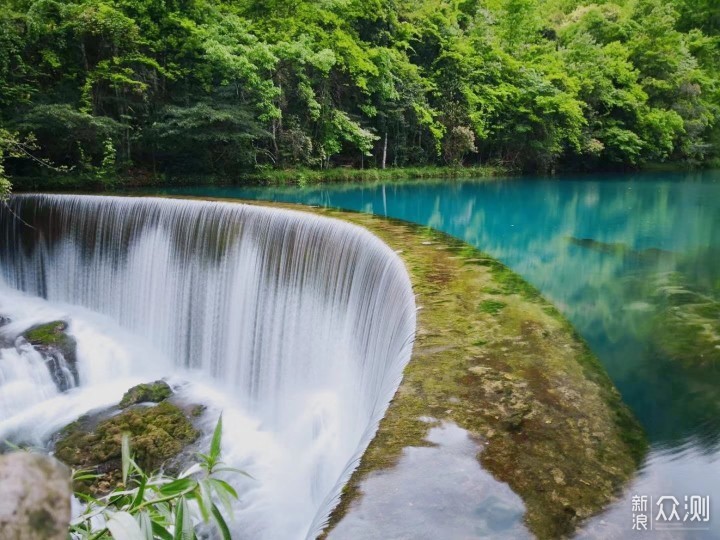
<point x="59" y="349"/>
<point x="157" y="434"/>
<point x="154" y="392"/>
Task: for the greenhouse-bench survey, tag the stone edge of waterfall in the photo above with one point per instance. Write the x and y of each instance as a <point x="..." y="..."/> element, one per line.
<point x="482" y="354"/>
<point x="391" y="379"/>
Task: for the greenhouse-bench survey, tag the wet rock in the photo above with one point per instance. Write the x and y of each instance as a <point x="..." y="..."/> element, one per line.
<point x="58" y="349"/>
<point x="4" y="341"/>
<point x="158" y="434"/>
<point x="154" y="392"/>
<point x="35" y="503"/>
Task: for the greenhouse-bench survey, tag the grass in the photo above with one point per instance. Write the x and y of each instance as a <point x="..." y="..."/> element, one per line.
<point x="50" y="334"/>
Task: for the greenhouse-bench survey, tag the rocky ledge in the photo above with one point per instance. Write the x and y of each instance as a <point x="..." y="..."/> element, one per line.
<point x="159" y="428"/>
<point x="59" y="350"/>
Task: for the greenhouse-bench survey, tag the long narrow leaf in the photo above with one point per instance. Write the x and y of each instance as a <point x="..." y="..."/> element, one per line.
<point x="125" y="457"/>
<point x="220" y="520"/>
<point x="222" y="485"/>
<point x="143" y="519"/>
<point x="179" y="517"/>
<point x="178" y="486"/>
<point x="234" y="470"/>
<point x="123" y="526"/>
<point x="140" y="495"/>
<point x="160" y="531"/>
<point x="184" y="529"/>
<point x="216" y="443"/>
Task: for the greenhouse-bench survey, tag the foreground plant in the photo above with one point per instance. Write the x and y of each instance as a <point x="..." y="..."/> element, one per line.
<point x="158" y="506"/>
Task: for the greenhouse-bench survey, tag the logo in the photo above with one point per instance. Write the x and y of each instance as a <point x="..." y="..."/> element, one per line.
<point x="668" y="513"/>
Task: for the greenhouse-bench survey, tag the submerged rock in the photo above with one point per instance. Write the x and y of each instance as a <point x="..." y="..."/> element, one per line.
<point x="154" y="392"/>
<point x="59" y="350"/>
<point x="35" y="503"/>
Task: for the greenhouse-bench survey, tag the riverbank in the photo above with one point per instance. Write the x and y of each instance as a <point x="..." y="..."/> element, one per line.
<point x="271" y="177"/>
<point x="494" y="358"/>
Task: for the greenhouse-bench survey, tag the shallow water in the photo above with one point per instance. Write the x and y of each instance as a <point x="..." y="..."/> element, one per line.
<point x="604" y="250"/>
<point x="465" y="501"/>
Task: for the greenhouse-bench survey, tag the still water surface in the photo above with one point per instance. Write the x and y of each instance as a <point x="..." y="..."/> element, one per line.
<point x="633" y="261"/>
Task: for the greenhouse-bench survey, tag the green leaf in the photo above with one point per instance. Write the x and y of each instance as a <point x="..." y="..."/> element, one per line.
<point x="222" y="485"/>
<point x="140" y="495"/>
<point x="220" y="520"/>
<point x="216" y="444"/>
<point x="125" y="456"/>
<point x="123" y="526"/>
<point x="184" y="529"/>
<point x="159" y="530"/>
<point x="204" y="500"/>
<point x="143" y="519"/>
<point x="178" y="486"/>
<point x="234" y="470"/>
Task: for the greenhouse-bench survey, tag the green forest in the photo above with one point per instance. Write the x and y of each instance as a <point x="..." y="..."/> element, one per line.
<point x="149" y="89"/>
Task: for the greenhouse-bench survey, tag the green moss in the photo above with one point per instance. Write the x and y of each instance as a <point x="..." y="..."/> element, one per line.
<point x="491" y="306"/>
<point x="48" y="335"/>
<point x="157" y="434"/>
<point x="154" y="392"/>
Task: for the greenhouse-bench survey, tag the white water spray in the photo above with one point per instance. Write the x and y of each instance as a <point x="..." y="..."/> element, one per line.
<point x="297" y="326"/>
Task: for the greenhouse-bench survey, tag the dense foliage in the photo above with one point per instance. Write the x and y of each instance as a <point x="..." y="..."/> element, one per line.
<point x="175" y="87"/>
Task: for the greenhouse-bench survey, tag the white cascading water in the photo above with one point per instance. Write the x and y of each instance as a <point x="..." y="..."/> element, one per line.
<point x="298" y="327"/>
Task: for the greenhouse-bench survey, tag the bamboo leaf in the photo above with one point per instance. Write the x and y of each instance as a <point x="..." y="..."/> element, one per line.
<point x="222" y="485"/>
<point x="216" y="443"/>
<point x="123" y="526"/>
<point x="222" y="525"/>
<point x="178" y="486"/>
<point x="125" y="456"/>
<point x="143" y="519"/>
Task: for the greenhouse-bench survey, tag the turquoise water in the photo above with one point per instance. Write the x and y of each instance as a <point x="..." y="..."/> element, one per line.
<point x="632" y="261"/>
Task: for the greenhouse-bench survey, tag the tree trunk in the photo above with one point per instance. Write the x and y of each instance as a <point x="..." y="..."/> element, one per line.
<point x="384" y="156"/>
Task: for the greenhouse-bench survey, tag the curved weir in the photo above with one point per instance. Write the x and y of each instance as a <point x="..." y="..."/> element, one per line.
<point x="301" y="326"/>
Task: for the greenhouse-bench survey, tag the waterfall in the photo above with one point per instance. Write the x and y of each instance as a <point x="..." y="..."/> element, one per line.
<point x="301" y="324"/>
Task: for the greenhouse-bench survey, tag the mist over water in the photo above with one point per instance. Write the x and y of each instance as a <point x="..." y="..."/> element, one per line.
<point x="296" y="327"/>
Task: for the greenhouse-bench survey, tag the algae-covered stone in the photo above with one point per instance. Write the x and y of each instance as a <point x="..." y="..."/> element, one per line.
<point x="154" y="392"/>
<point x="35" y="502"/>
<point x="59" y="349"/>
<point x="157" y="434"/>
